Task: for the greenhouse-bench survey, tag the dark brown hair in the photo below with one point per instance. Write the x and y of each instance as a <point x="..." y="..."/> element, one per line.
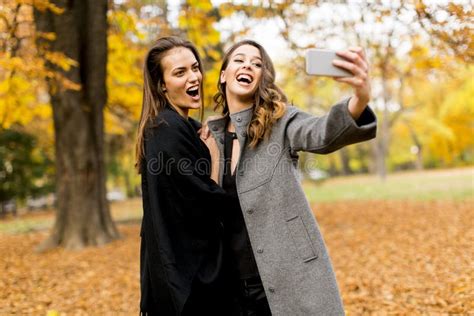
<point x="154" y="99"/>
<point x="269" y="99"/>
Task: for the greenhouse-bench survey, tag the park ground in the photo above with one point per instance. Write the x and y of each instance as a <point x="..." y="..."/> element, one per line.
<point x="399" y="247"/>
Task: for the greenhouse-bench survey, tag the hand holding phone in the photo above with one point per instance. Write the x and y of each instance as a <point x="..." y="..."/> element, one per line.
<point x="323" y="63"/>
<point x="319" y="63"/>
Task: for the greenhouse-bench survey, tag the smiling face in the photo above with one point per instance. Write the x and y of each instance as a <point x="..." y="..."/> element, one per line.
<point x="182" y="80"/>
<point x="242" y="74"/>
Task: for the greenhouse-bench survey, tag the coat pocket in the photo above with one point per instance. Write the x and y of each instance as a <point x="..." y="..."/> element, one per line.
<point x="301" y="239"/>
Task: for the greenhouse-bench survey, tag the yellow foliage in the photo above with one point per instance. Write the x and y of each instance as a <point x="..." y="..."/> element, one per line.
<point x="61" y="60"/>
<point x="50" y="36"/>
<point x="197" y="19"/>
<point x="43" y="5"/>
<point x="19" y="102"/>
<point x="124" y="74"/>
<point x="441" y="115"/>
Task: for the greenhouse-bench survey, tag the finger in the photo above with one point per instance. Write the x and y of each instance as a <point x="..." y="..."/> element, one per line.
<point x="204" y="132"/>
<point x="353" y="68"/>
<point x="353" y="81"/>
<point x="361" y="52"/>
<point x="358" y="50"/>
<point x="355" y="55"/>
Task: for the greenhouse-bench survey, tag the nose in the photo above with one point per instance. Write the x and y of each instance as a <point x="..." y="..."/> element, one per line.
<point x="247" y="64"/>
<point x="193" y="77"/>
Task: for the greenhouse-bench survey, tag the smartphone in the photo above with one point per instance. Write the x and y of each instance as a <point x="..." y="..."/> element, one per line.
<point x="319" y="63"/>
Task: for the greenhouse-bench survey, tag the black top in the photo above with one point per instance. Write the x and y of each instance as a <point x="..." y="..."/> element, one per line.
<point x="182" y="232"/>
<point x="242" y="260"/>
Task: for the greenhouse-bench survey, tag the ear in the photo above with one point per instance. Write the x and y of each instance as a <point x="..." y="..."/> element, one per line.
<point x="222" y="78"/>
<point x="163" y="87"/>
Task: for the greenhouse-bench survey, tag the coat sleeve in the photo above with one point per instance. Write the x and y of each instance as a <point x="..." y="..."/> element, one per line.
<point x="176" y="169"/>
<point x="330" y="132"/>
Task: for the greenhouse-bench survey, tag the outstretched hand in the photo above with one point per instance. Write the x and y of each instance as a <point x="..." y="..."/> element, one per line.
<point x="357" y="64"/>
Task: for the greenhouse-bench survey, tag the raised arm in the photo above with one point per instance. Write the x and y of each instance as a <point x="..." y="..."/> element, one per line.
<point x="325" y="134"/>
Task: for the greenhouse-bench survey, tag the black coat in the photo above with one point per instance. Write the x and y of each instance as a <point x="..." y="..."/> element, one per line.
<point x="181" y="244"/>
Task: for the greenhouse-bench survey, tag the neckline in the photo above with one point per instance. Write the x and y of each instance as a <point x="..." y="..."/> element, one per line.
<point x="242" y="110"/>
<point x="233" y="135"/>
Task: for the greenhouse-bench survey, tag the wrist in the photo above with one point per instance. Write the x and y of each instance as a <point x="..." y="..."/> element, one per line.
<point x="356" y="106"/>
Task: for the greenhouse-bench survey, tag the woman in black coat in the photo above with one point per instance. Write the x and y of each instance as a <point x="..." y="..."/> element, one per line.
<point x="181" y="256"/>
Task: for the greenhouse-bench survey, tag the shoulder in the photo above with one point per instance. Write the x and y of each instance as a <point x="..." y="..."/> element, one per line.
<point x="195" y="124"/>
<point x="169" y="123"/>
<point x="169" y="131"/>
<point x="167" y="118"/>
<point x="290" y="112"/>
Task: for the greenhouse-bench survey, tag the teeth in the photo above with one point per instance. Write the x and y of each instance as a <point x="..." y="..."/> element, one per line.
<point x="244" y="77"/>
<point x="193" y="91"/>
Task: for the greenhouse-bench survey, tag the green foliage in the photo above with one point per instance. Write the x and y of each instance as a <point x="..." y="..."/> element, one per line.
<point x="24" y="169"/>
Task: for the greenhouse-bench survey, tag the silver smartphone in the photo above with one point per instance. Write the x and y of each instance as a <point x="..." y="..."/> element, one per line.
<point x="319" y="63"/>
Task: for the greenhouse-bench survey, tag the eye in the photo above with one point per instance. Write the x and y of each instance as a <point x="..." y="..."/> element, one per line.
<point x="256" y="64"/>
<point x="238" y="60"/>
<point x="179" y="73"/>
<point x="196" y="68"/>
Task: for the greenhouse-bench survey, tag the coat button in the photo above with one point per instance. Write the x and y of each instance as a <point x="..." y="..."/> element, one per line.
<point x="215" y="128"/>
<point x="259" y="250"/>
<point x="238" y="119"/>
<point x="244" y="134"/>
<point x="272" y="290"/>
<point x="250" y="211"/>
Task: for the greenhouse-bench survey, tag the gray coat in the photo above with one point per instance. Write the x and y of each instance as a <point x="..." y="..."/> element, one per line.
<point x="289" y="250"/>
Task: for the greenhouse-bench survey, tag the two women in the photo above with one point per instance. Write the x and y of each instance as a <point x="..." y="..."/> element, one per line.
<point x="255" y="248"/>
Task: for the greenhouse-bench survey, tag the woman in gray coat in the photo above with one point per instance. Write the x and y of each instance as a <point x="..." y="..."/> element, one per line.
<point x="279" y="259"/>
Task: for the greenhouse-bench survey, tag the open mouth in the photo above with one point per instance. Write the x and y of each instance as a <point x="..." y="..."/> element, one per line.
<point x="244" y="78"/>
<point x="193" y="91"/>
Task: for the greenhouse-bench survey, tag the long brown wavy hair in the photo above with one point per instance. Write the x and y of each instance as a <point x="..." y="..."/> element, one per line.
<point x="269" y="99"/>
<point x="154" y="98"/>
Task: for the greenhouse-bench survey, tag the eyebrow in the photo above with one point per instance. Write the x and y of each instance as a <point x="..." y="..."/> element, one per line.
<point x="184" y="68"/>
<point x="241" y="54"/>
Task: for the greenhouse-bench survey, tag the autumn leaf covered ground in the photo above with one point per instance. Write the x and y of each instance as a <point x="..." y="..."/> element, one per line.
<point x="392" y="257"/>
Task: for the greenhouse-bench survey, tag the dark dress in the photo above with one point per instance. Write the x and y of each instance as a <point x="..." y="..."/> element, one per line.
<point x="249" y="298"/>
<point x="181" y="255"/>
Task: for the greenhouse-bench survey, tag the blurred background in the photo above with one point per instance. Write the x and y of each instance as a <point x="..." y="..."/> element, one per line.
<point x="396" y="212"/>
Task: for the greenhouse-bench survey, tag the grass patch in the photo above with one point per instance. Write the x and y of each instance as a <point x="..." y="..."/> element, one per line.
<point x="24" y="225"/>
<point x="455" y="184"/>
<point x="122" y="212"/>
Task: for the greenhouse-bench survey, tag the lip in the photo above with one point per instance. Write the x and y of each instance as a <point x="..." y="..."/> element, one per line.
<point x="244" y="83"/>
<point x="197" y="97"/>
<point x="192" y="87"/>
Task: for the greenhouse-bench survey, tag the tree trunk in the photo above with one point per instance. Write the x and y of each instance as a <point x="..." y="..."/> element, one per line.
<point x="345" y="159"/>
<point x="83" y="217"/>
<point x="382" y="141"/>
<point x="419" y="147"/>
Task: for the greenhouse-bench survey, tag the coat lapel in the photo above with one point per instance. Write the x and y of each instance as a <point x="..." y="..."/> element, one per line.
<point x="241" y="121"/>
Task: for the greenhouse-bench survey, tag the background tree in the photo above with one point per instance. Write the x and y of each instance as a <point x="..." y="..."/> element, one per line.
<point x="83" y="216"/>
